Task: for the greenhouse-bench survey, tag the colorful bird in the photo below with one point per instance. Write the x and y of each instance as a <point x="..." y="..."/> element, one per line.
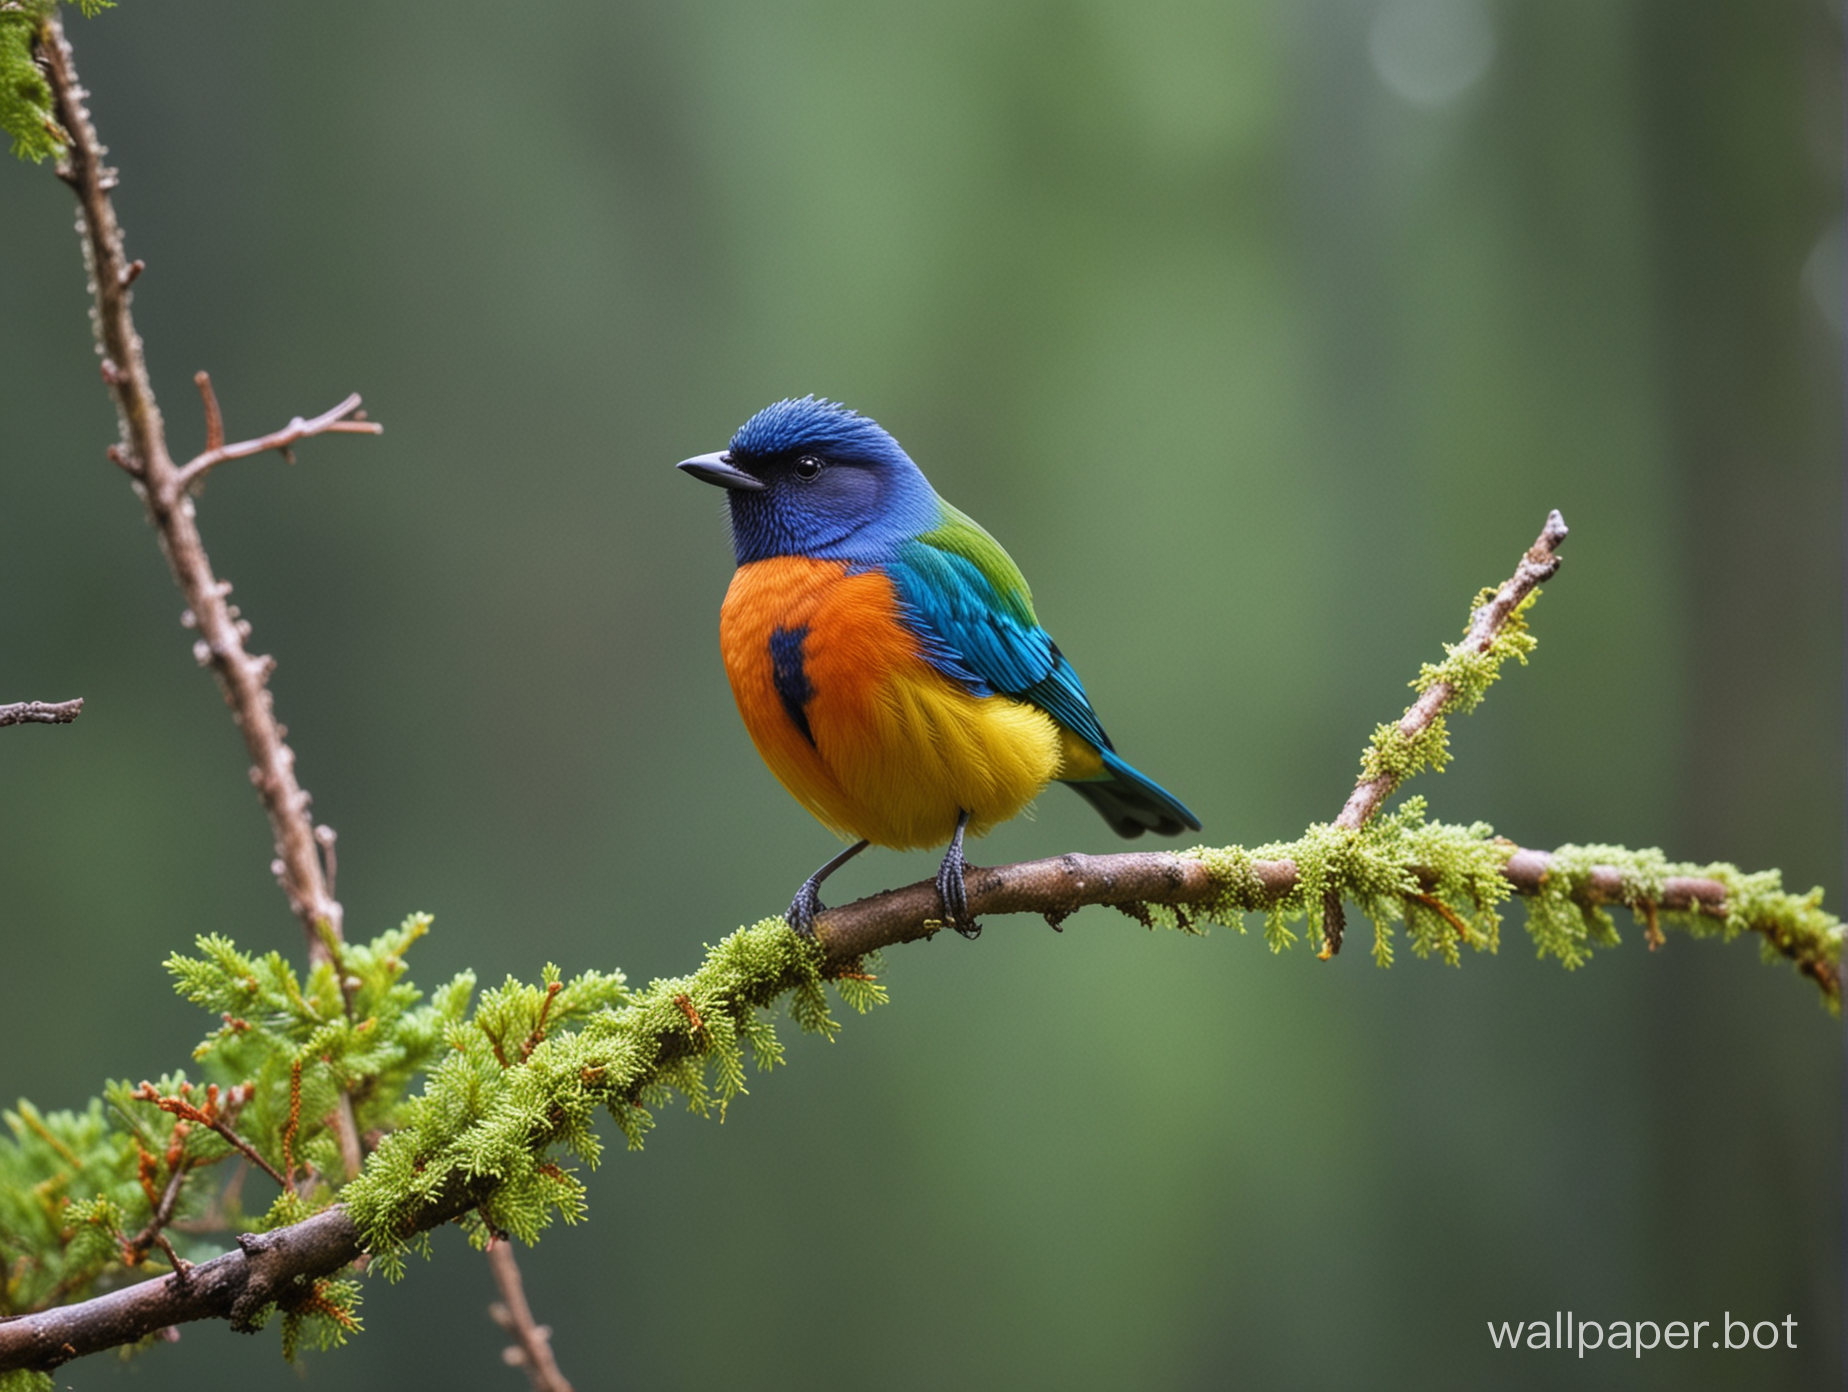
<point x="885" y="656"/>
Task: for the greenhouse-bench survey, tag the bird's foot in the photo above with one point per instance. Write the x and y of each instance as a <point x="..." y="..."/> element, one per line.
<point x="806" y="907"/>
<point x="952" y="890"/>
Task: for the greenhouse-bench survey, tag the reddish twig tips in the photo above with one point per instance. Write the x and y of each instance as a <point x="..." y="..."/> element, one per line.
<point x="316" y="1302"/>
<point x="41" y="712"/>
<point x="500" y="1053"/>
<point x="218" y="1113"/>
<point x="1449" y="915"/>
<point x="214" y="420"/>
<point x="533" y="1352"/>
<point x="295" y="1121"/>
<point x="537" y="1034"/>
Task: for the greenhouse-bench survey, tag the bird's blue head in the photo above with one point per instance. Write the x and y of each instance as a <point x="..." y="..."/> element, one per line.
<point x="807" y="477"/>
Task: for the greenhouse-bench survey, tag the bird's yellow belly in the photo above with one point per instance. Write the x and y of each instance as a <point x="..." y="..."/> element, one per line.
<point x="893" y="751"/>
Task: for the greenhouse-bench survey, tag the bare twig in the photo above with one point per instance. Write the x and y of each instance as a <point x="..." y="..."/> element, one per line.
<point x="162" y="1215"/>
<point x="329" y="422"/>
<point x="163" y="486"/>
<point x="41" y="712"/>
<point x="533" y="1351"/>
<point x="214" y="418"/>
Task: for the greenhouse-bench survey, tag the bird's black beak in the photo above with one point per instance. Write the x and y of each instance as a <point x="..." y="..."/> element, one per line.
<point x="718" y="468"/>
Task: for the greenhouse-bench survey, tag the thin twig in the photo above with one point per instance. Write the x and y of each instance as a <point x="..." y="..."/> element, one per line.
<point x="512" y="1313"/>
<point x="329" y="422"/>
<point x="1443" y="911"/>
<point x="163" y="486"/>
<point x="162" y="1215"/>
<point x="41" y="712"/>
<point x="214" y="418"/>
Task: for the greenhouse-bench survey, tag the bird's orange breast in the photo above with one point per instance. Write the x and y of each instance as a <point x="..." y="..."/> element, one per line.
<point x="860" y="728"/>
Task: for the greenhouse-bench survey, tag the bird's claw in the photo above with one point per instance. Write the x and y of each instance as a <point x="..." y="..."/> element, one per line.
<point x="953" y="891"/>
<point x="804" y="909"/>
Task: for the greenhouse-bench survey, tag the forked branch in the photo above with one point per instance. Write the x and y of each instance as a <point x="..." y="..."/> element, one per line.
<point x="330" y="422"/>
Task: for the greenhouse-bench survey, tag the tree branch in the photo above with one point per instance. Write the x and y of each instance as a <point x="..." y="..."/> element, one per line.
<point x="512" y="1313"/>
<point x="1059" y="887"/>
<point x="41" y="712"/>
<point x="164" y="488"/>
<point x="266" y="1267"/>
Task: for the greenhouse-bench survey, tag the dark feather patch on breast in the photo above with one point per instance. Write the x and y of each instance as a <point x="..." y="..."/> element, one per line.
<point x="791" y="681"/>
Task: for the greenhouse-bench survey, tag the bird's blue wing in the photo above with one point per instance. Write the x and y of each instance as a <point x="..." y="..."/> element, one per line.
<point x="968" y="604"/>
<point x="970" y="607"/>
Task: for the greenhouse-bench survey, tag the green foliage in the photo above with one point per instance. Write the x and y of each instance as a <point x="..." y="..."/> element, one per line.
<point x="354" y="1028"/>
<point x="510" y="1088"/>
<point x="68" y="1187"/>
<point x="25" y="97"/>
<point x="486" y="1135"/>
<point x="79" y="1190"/>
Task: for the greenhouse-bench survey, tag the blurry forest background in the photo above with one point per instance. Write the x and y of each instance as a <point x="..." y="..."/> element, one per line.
<point x="1262" y="335"/>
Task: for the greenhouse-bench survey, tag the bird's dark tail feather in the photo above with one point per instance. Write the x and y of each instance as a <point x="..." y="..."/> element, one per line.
<point x="1132" y="803"/>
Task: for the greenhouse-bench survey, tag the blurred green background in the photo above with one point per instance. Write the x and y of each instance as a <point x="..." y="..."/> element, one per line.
<point x="1262" y="335"/>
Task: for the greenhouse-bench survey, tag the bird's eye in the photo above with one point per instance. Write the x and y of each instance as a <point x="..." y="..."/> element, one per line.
<point x="808" y="467"/>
